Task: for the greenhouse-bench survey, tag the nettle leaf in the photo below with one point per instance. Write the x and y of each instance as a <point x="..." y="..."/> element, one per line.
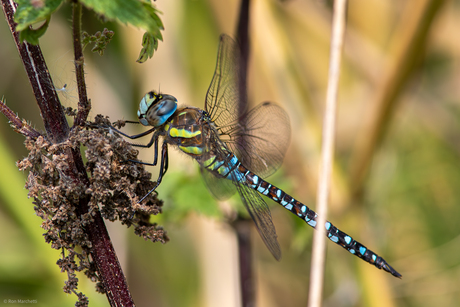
<point x="30" y="12"/>
<point x="32" y="35"/>
<point x="149" y="46"/>
<point x="139" y="13"/>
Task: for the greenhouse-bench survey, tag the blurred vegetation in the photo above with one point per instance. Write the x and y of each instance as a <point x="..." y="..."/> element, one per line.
<point x="402" y="203"/>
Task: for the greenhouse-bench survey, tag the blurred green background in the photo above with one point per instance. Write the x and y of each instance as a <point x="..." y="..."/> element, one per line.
<point x="399" y="104"/>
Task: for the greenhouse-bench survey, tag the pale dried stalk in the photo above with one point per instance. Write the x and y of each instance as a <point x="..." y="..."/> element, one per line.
<point x="319" y="238"/>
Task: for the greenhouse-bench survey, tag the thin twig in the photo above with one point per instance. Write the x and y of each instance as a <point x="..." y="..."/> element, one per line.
<point x="17" y="123"/>
<point x="319" y="238"/>
<point x="84" y="105"/>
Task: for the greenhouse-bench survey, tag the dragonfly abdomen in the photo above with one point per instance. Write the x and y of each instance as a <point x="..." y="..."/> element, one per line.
<point x="309" y="216"/>
<point x="223" y="167"/>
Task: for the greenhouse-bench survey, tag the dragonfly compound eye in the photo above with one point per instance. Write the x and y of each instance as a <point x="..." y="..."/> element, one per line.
<point x="155" y="109"/>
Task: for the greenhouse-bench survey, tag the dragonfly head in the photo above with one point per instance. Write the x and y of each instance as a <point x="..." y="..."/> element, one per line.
<point x="155" y="109"/>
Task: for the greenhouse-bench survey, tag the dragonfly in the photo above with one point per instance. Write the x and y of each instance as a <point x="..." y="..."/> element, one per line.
<point x="235" y="150"/>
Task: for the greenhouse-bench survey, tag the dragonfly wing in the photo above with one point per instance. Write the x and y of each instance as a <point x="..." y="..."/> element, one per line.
<point x="223" y="93"/>
<point x="213" y="156"/>
<point x="260" y="138"/>
<point x="247" y="136"/>
<point x="260" y="213"/>
<point x="220" y="188"/>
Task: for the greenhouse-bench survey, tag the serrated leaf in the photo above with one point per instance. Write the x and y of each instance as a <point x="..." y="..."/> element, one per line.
<point x="30" y="12"/>
<point x="149" y="46"/>
<point x="32" y="35"/>
<point x="138" y="13"/>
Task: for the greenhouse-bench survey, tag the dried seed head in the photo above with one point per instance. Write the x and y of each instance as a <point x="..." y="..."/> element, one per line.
<point x="114" y="189"/>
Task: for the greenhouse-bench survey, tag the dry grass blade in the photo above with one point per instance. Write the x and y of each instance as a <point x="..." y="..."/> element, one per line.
<point x="319" y="239"/>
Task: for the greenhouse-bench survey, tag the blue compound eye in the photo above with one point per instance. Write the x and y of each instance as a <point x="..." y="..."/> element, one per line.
<point x="155" y="109"/>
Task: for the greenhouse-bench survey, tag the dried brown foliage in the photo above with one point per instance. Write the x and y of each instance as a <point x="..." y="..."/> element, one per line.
<point x="115" y="188"/>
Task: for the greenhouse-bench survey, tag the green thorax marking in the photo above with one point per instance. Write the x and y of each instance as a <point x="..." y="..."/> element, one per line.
<point x="184" y="124"/>
<point x="183" y="133"/>
<point x="194" y="150"/>
<point x="187" y="136"/>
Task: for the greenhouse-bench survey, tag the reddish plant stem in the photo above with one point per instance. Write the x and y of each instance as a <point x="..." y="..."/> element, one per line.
<point x="56" y="125"/>
<point x="242" y="35"/>
<point x="57" y="130"/>
<point x="19" y="125"/>
<point x="84" y="106"/>
<point x="243" y="226"/>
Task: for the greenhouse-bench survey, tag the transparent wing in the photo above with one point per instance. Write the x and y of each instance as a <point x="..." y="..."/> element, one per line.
<point x="217" y="152"/>
<point x="223" y="93"/>
<point x="260" y="137"/>
<point x="220" y="188"/>
<point x="224" y="187"/>
<point x="260" y="213"/>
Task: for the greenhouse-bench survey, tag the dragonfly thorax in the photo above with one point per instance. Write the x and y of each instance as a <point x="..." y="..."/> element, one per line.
<point x="186" y="129"/>
<point x="155" y="109"/>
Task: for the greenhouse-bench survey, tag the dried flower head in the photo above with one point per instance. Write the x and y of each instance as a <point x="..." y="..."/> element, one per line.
<point x="115" y="187"/>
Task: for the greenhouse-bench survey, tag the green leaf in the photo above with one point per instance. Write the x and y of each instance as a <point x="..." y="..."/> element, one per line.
<point x="32" y="35"/>
<point x="149" y="46"/>
<point x="138" y="13"/>
<point x="30" y="12"/>
<point x="187" y="193"/>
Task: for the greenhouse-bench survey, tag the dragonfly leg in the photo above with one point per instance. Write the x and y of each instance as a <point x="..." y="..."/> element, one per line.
<point x="136" y="136"/>
<point x="155" y="158"/>
<point x="153" y="140"/>
<point x="163" y="169"/>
